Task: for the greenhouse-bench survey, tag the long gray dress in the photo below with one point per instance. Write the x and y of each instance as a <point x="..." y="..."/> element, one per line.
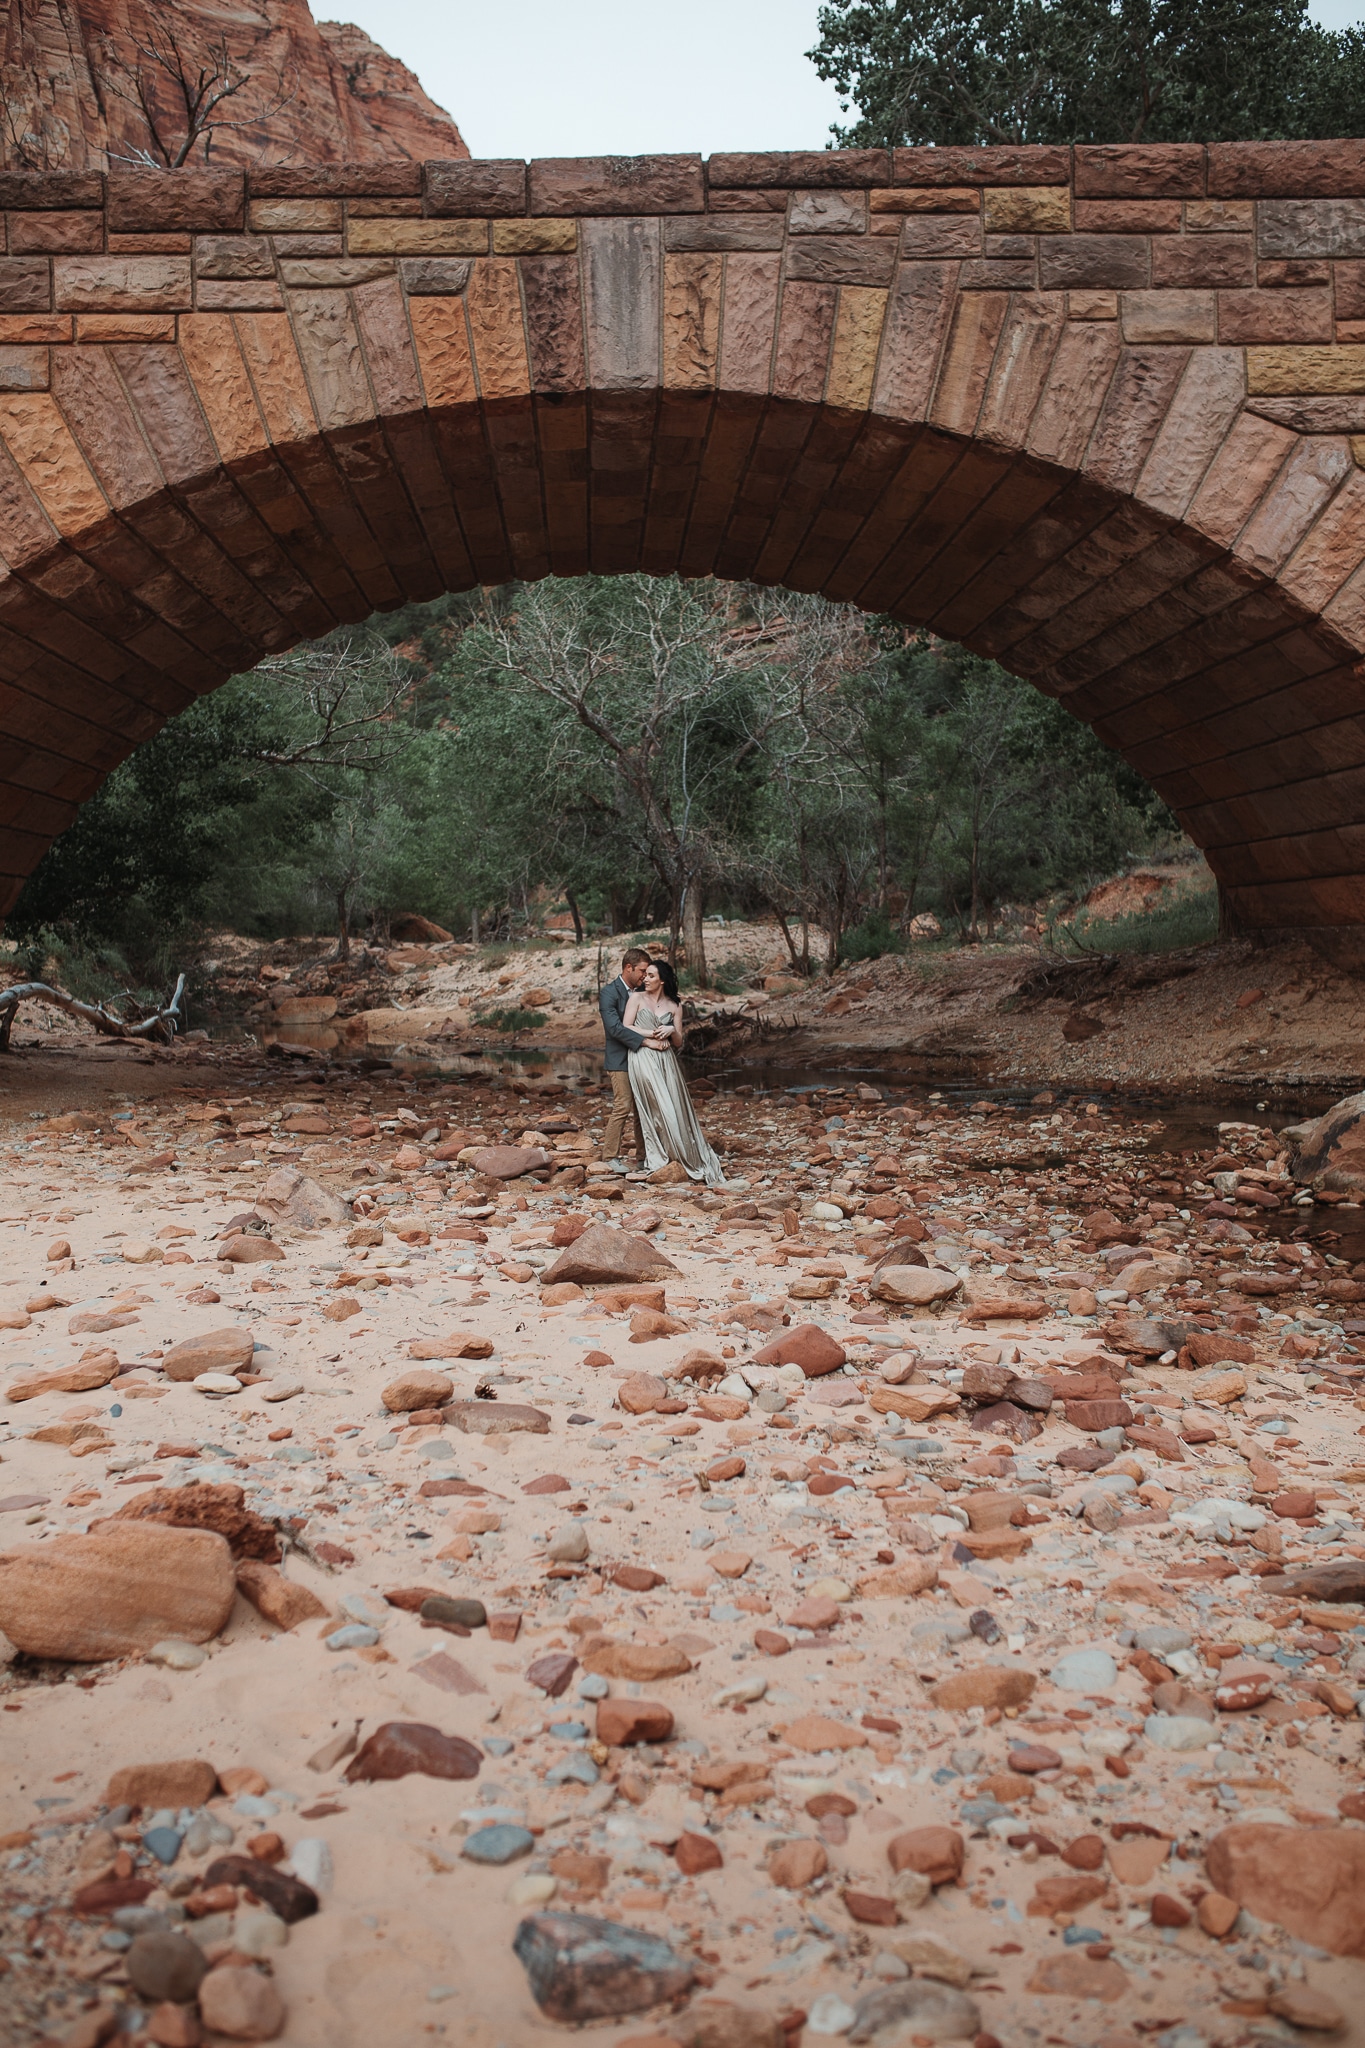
<point x="668" y="1121"/>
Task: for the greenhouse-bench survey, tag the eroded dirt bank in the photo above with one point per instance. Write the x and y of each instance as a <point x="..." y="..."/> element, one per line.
<point x="989" y="1670"/>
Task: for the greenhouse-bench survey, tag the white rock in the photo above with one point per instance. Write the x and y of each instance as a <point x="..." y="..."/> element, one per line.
<point x="1085" y="1671"/>
<point x="830" y="2015"/>
<point x="736" y="1387"/>
<point x="743" y="1693"/>
<point x="176" y="1655"/>
<point x="281" y="1390"/>
<point x="1179" y="1731"/>
<point x="311" y="1862"/>
<point x="570" y="1544"/>
<point x="1107" y="1742"/>
<point x="256" y="1930"/>
<point x="532" y="1891"/>
<point x="218" y="1384"/>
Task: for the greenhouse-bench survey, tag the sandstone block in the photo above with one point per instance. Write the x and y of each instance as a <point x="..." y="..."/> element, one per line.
<point x="937" y="1853"/>
<point x="414" y="1390"/>
<point x="1308" y="1880"/>
<point x="190" y="1782"/>
<point x="623" y="1722"/>
<point x="284" y="1601"/>
<point x="808" y="1346"/>
<point x="116" y="1592"/>
<point x="227" y="1350"/>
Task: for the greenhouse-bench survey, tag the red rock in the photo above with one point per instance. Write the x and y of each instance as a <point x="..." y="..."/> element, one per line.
<point x="621" y="1722"/>
<point x="812" y="1614"/>
<point x="1086" y="1852"/>
<point x="1294" y="1507"/>
<point x="398" y="1748"/>
<point x="1169" y="1912"/>
<point x="1097" y="1415"/>
<point x="220" y="1508"/>
<point x="551" y="1673"/>
<point x="808" y="1346"/>
<point x="568" y="1229"/>
<point x="1236" y="1695"/>
<point x="640" y="1393"/>
<point x="1074" y="1974"/>
<point x="1065" y="1894"/>
<point x="937" y="1853"/>
<point x="770" y="1642"/>
<point x="107" y="1894"/>
<point x="796" y="1864"/>
<point x="454" y="1346"/>
<point x="288" y="1897"/>
<point x="1307" y="2008"/>
<point x="580" y="1968"/>
<point x="695" y="1853"/>
<point x="1034" y="1756"/>
<point x="227" y="1350"/>
<point x="636" y="1578"/>
<point x="1217" y="1914"/>
<point x="414" y="1390"/>
<point x="599" y="1255"/>
<point x="241" y="2003"/>
<point x="987" y="1685"/>
<point x="94" y="1369"/>
<point x="189" y="1782"/>
<point x="284" y="1601"/>
<point x="1308" y="1880"/>
<point x="115" y="1592"/>
<point x="871" y="1909"/>
<point x="642" y="1662"/>
<point x="248" y="1249"/>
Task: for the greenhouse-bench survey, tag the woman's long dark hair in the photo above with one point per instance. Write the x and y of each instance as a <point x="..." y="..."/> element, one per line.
<point x="668" y="978"/>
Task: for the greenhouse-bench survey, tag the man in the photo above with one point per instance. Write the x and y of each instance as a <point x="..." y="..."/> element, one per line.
<point x="621" y="1042"/>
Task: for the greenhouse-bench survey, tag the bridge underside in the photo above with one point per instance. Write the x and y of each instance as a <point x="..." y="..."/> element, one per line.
<point x="1098" y="485"/>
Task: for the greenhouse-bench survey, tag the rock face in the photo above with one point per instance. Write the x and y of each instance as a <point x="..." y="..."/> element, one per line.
<point x="116" y="1592"/>
<point x="347" y="99"/>
<point x="1309" y="1880"/>
<point x="580" y="1968"/>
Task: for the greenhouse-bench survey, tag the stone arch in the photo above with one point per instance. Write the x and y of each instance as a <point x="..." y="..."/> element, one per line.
<point x="1095" y="413"/>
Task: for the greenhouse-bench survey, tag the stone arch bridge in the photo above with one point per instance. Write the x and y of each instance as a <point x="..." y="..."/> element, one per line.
<point x="1098" y="413"/>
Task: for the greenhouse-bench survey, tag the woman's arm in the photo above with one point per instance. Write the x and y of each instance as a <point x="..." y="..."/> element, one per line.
<point x="632" y="1005"/>
<point x="675" y="1036"/>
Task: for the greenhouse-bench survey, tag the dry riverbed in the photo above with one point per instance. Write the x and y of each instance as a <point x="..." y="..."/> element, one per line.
<point x="915" y="1594"/>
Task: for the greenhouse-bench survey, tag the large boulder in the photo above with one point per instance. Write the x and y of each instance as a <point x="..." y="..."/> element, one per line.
<point x="293" y="1198"/>
<point x="508" y="1162"/>
<point x="218" y="1506"/>
<point x="601" y="1256"/>
<point x="1308" y="1880"/>
<point x="921" y="1286"/>
<point x="225" y="1350"/>
<point x="116" y="1592"/>
<point x="1329" y="1151"/>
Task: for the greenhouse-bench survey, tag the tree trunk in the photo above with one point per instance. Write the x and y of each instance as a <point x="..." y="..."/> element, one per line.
<point x="474" y="925"/>
<point x="576" y="915"/>
<point x="1230" y="925"/>
<point x="787" y="937"/>
<point x="343" y="926"/>
<point x="694" y="906"/>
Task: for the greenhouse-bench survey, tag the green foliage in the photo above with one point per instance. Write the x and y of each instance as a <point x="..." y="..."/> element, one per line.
<point x="870" y="939"/>
<point x="512" y="1019"/>
<point x="1060" y="71"/>
<point x="1188" y="918"/>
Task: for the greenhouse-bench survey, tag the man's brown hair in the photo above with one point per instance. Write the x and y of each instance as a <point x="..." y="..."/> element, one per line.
<point x="636" y="957"/>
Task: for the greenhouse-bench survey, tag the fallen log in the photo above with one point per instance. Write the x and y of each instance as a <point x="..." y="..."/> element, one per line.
<point x="163" y="1024"/>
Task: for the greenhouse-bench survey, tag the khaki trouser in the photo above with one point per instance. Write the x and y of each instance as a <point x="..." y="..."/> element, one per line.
<point x="622" y="1106"/>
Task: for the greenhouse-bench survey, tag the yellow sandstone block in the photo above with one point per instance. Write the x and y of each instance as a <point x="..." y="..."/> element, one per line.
<point x="1296" y="372"/>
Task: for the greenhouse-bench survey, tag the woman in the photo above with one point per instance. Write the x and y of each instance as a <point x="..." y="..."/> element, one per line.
<point x="668" y="1121"/>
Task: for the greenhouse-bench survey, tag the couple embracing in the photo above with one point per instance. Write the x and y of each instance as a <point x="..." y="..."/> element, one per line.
<point x="642" y="1017"/>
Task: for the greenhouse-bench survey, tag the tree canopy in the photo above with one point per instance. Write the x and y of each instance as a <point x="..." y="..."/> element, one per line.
<point x="1060" y="71"/>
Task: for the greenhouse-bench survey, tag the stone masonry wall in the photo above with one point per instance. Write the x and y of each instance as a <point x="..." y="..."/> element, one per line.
<point x="1099" y="413"/>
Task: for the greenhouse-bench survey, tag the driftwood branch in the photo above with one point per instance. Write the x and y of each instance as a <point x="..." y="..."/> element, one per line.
<point x="163" y="1024"/>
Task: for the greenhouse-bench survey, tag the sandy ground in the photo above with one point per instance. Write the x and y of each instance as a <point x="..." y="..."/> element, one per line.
<point x="412" y="1939"/>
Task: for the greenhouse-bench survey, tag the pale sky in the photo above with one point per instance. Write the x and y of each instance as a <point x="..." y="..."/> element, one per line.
<point x="528" y="78"/>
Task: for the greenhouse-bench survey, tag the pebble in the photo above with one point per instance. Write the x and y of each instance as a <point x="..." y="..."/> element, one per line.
<point x="356" y="1635"/>
<point x="1085" y="1671"/>
<point x="498" y="1844"/>
<point x="176" y="1655"/>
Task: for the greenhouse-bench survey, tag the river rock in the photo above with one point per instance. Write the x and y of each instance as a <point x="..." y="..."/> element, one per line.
<point x="166" y="1966"/>
<point x="414" y="1390"/>
<point x="642" y="1662"/>
<point x="289" y="1898"/>
<point x="1085" y="1671"/>
<point x="508" y="1162"/>
<point x="284" y="1601"/>
<point x="600" y="1256"/>
<point x="187" y="1782"/>
<point x="937" y="1853"/>
<point x="94" y="1369"/>
<point x="795" y="1864"/>
<point x="1075" y="1974"/>
<point x="115" y="1592"/>
<point x="1329" y="1150"/>
<point x="1308" y="1880"/>
<point x="291" y="1197"/>
<point x="986" y="1685"/>
<point x="497" y="1418"/>
<point x="622" y="1722"/>
<point x="228" y="1350"/>
<point x="899" y="1581"/>
<point x="914" y="1286"/>
<point x="399" y="1748"/>
<point x="219" y="1507"/>
<point x="241" y="2003"/>
<point x="934" y="2012"/>
<point x="640" y="1393"/>
<point x="808" y="1346"/>
<point x="581" y="1968"/>
<point x="498" y="1844"/>
<point x="914" y="1404"/>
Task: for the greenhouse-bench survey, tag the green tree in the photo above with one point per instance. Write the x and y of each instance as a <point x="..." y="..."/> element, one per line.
<point x="1061" y="71"/>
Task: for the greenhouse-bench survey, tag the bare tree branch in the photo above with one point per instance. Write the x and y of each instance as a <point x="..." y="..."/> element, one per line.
<point x="162" y="1024"/>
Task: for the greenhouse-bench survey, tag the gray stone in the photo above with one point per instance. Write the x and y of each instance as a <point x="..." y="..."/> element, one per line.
<point x="166" y="1966"/>
<point x="499" y="1844"/>
<point x="621" y="267"/>
<point x="357" y="1635"/>
<point x="1085" y="1671"/>
<point x="582" y="1968"/>
<point x="934" y="2010"/>
<point x="163" y="1843"/>
<point x="1162" y="1640"/>
<point x="1179" y="1731"/>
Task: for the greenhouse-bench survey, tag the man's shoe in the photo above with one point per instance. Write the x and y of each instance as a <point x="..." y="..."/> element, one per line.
<point x="618" y="1166"/>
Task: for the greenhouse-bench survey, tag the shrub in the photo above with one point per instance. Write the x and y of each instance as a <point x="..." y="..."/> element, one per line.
<point x="511" y="1020"/>
<point x="1187" y="919"/>
<point x="870" y="939"/>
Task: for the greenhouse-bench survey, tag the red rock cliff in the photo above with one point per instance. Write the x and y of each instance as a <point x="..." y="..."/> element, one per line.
<point x="87" y="82"/>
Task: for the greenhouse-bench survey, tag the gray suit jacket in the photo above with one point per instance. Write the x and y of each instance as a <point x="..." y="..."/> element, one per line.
<point x="611" y="1003"/>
